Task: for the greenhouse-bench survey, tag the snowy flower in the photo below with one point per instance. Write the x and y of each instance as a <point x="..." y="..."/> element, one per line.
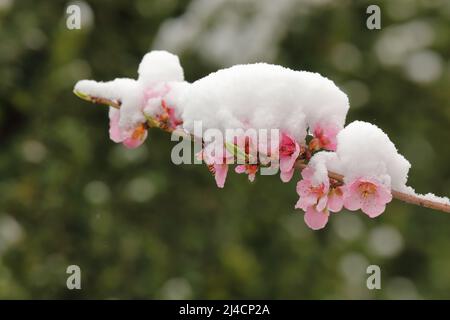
<point x="318" y="198"/>
<point x="312" y="194"/>
<point x="364" y="150"/>
<point x="289" y="150"/>
<point x="129" y="138"/>
<point x="158" y="108"/>
<point x="368" y="195"/>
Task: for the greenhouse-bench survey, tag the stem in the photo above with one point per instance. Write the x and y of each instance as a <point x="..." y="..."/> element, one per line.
<point x="98" y="100"/>
<point x="408" y="198"/>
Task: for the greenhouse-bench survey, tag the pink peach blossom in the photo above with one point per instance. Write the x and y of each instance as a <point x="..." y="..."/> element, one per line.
<point x="312" y="194"/>
<point x="130" y="139"/>
<point x="318" y="199"/>
<point x="325" y="137"/>
<point x="316" y="219"/>
<point x="220" y="174"/>
<point x="289" y="150"/>
<point x="368" y="195"/>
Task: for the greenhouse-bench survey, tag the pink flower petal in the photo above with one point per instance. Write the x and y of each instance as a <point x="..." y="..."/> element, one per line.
<point x="220" y="175"/>
<point x="326" y="133"/>
<point x="289" y="150"/>
<point x="303" y="187"/>
<point x="308" y="173"/>
<point x="286" y="163"/>
<point x="114" y="130"/>
<point x="373" y="210"/>
<point x="306" y="201"/>
<point x="322" y="203"/>
<point x="352" y="201"/>
<point x="286" y="176"/>
<point x="316" y="219"/>
<point x="384" y="194"/>
<point x="336" y="199"/>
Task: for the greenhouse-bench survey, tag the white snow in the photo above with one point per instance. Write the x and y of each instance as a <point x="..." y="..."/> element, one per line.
<point x="364" y="150"/>
<point x="264" y="96"/>
<point x="429" y="196"/>
<point x="323" y="162"/>
<point x="113" y="90"/>
<point x="160" y="66"/>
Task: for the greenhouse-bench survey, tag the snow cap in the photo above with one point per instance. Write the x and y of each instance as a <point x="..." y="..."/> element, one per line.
<point x="160" y="66"/>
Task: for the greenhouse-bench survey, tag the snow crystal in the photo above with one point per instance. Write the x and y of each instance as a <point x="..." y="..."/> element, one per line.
<point x="364" y="150"/>
<point x="264" y="96"/>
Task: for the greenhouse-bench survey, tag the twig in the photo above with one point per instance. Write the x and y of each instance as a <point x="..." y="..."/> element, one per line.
<point x="98" y="100"/>
<point x="408" y="198"/>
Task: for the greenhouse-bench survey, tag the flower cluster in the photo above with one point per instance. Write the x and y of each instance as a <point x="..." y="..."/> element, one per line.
<point x="132" y="138"/>
<point x="318" y="199"/>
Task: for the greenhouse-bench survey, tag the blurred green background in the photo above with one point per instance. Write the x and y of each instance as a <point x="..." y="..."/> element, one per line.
<point x="141" y="227"/>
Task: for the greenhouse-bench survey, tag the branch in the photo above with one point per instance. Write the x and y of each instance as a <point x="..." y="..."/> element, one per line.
<point x="408" y="198"/>
<point x="98" y="100"/>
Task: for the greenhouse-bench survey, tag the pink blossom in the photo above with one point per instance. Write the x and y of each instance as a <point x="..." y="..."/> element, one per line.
<point x="312" y="194"/>
<point x="317" y="199"/>
<point x="220" y="174"/>
<point x="163" y="113"/>
<point x="368" y="195"/>
<point x="168" y="116"/>
<point x="316" y="219"/>
<point x="247" y="156"/>
<point x="129" y="138"/>
<point x="289" y="150"/>
<point x="217" y="159"/>
<point x="249" y="169"/>
<point x="324" y="137"/>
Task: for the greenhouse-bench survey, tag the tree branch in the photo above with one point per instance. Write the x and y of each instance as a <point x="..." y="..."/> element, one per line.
<point x="408" y="198"/>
